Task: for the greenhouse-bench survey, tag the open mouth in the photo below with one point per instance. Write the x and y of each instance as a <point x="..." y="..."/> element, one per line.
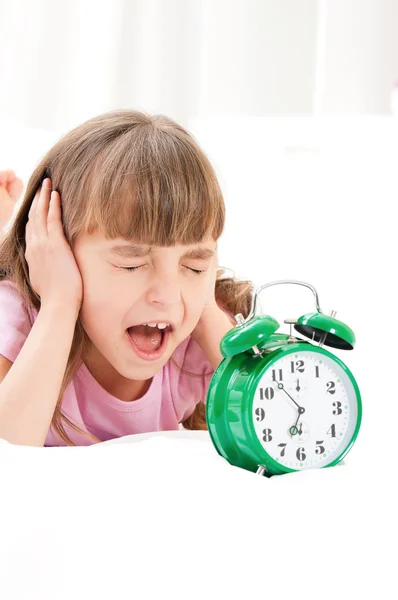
<point x="149" y="342"/>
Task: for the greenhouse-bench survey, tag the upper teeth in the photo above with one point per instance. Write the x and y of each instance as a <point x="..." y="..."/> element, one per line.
<point x="160" y="325"/>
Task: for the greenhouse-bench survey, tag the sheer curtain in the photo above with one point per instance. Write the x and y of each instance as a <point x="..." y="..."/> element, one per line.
<point x="62" y="62"/>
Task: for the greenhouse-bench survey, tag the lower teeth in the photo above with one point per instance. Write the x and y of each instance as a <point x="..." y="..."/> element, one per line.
<point x="153" y="342"/>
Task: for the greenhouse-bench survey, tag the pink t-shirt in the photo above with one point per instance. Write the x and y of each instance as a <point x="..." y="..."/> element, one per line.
<point x="171" y="397"/>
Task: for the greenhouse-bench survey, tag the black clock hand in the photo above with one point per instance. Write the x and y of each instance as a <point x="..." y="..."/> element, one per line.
<point x="293" y="430"/>
<point x="282" y="387"/>
<point x="298" y="388"/>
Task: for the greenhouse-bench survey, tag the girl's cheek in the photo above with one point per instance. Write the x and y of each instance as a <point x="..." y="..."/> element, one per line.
<point x="198" y="297"/>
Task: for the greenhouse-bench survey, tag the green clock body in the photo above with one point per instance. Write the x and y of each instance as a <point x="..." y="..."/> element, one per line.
<point x="291" y="408"/>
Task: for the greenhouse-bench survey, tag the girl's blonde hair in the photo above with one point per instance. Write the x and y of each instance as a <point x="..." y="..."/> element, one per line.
<point x="128" y="175"/>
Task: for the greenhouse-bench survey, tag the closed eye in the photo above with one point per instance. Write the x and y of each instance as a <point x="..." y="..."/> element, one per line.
<point x="130" y="268"/>
<point x="196" y="271"/>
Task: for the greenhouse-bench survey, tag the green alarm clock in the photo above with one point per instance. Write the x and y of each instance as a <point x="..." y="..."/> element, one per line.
<point x="278" y="403"/>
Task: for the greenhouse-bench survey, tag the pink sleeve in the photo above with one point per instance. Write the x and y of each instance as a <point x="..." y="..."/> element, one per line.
<point x="15" y="322"/>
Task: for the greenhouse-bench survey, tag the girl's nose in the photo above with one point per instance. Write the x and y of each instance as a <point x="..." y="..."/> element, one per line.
<point x="166" y="290"/>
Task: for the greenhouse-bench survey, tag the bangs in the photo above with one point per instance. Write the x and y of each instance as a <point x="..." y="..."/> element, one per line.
<point x="157" y="188"/>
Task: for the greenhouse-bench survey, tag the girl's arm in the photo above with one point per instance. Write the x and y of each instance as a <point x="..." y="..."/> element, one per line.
<point x="30" y="390"/>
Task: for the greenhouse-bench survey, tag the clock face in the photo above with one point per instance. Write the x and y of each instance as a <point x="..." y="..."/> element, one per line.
<point x="305" y="410"/>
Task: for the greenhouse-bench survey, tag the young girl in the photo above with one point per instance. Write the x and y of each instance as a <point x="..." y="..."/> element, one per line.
<point x="112" y="305"/>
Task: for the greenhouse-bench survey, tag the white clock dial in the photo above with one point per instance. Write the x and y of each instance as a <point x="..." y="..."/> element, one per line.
<point x="305" y="410"/>
<point x="297" y="386"/>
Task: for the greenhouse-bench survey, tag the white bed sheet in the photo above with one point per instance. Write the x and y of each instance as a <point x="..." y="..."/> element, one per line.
<point x="162" y="515"/>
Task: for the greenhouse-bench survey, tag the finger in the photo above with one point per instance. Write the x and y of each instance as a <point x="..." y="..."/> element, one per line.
<point x="27" y="237"/>
<point x="33" y="206"/>
<point x="27" y="234"/>
<point x="54" y="222"/>
<point x="30" y="222"/>
<point x="30" y="227"/>
<point x="41" y="210"/>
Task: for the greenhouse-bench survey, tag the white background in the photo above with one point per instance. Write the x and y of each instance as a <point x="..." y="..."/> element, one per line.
<point x="291" y="102"/>
<point x="63" y="62"/>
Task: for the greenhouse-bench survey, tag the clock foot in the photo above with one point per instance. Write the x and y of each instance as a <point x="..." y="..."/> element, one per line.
<point x="261" y="470"/>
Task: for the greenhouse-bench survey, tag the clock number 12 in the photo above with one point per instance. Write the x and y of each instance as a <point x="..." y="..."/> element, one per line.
<point x="299" y="366"/>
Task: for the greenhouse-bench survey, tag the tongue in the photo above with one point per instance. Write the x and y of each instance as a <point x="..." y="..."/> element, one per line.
<point x="146" y="338"/>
